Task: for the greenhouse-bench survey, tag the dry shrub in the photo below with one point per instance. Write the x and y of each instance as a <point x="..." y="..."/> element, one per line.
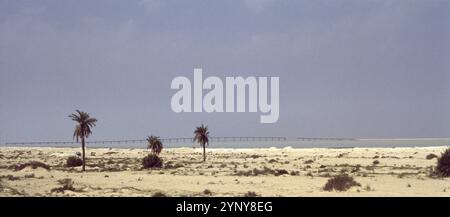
<point x="74" y="161"/>
<point x="431" y="156"/>
<point x="251" y="194"/>
<point x="309" y="161"/>
<point x="342" y="182"/>
<point x="207" y="192"/>
<point x="159" y="194"/>
<point x="152" y="161"/>
<point x="263" y="171"/>
<point x="10" y="177"/>
<point x="443" y="164"/>
<point x="32" y="164"/>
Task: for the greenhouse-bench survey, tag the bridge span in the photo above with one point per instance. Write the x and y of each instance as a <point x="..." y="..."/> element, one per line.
<point x="144" y="141"/>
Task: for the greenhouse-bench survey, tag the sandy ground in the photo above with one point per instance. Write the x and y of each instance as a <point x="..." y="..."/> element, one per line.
<point x="227" y="172"/>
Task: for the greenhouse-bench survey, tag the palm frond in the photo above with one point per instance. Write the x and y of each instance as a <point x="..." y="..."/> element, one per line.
<point x="201" y="135"/>
<point x="85" y="123"/>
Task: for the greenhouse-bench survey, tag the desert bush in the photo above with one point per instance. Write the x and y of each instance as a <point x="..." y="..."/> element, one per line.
<point x="32" y="164"/>
<point x="309" y="161"/>
<point x="264" y="171"/>
<point x="254" y="156"/>
<point x="279" y="172"/>
<point x="152" y="161"/>
<point x="341" y="182"/>
<point x="251" y="194"/>
<point x="376" y="162"/>
<point x="74" y="161"/>
<point x="159" y="194"/>
<point x="29" y="175"/>
<point x="431" y="156"/>
<point x="294" y="173"/>
<point x="268" y="171"/>
<point x="207" y="192"/>
<point x="341" y="155"/>
<point x="443" y="164"/>
<point x="10" y="177"/>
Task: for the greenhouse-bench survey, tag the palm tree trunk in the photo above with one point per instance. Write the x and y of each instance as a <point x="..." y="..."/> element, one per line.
<point x="204" y="152"/>
<point x="83" y="152"/>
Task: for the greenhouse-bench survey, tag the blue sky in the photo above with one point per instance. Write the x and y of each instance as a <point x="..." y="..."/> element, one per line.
<point x="347" y="68"/>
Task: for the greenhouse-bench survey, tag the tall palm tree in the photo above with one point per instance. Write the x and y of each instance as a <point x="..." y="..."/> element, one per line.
<point x="201" y="135"/>
<point x="83" y="129"/>
<point x="155" y="144"/>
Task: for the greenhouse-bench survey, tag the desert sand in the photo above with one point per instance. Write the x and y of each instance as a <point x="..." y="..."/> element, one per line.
<point x="227" y="172"/>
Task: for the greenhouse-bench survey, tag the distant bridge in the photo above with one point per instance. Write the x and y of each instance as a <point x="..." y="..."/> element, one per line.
<point x="144" y="141"/>
<point x="324" y="139"/>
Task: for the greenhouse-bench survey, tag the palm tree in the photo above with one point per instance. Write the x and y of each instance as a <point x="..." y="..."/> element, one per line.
<point x="83" y="129"/>
<point x="155" y="144"/>
<point x="201" y="135"/>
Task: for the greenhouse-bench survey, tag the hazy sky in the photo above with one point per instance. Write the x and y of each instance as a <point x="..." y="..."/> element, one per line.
<point x="346" y="68"/>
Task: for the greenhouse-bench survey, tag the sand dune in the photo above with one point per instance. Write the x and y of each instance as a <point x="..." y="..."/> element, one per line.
<point x="227" y="172"/>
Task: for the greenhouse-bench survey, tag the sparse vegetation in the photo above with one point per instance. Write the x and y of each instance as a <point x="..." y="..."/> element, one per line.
<point x="255" y="156"/>
<point x="294" y="173"/>
<point x="431" y="156"/>
<point x="32" y="164"/>
<point x="10" y="177"/>
<point x="207" y="192"/>
<point x="251" y="194"/>
<point x="342" y="182"/>
<point x="376" y="162"/>
<point x="74" y="161"/>
<point x="264" y="171"/>
<point x="443" y="164"/>
<point x="309" y="161"/>
<point x="29" y="175"/>
<point x="341" y="155"/>
<point x="159" y="194"/>
<point x="152" y="161"/>
<point x="273" y="161"/>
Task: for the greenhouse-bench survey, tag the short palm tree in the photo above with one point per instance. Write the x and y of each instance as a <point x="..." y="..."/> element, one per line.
<point x="83" y="129"/>
<point x="201" y="135"/>
<point x="155" y="144"/>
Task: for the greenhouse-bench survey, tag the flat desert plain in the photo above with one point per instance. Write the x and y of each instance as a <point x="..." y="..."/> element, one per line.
<point x="226" y="172"/>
